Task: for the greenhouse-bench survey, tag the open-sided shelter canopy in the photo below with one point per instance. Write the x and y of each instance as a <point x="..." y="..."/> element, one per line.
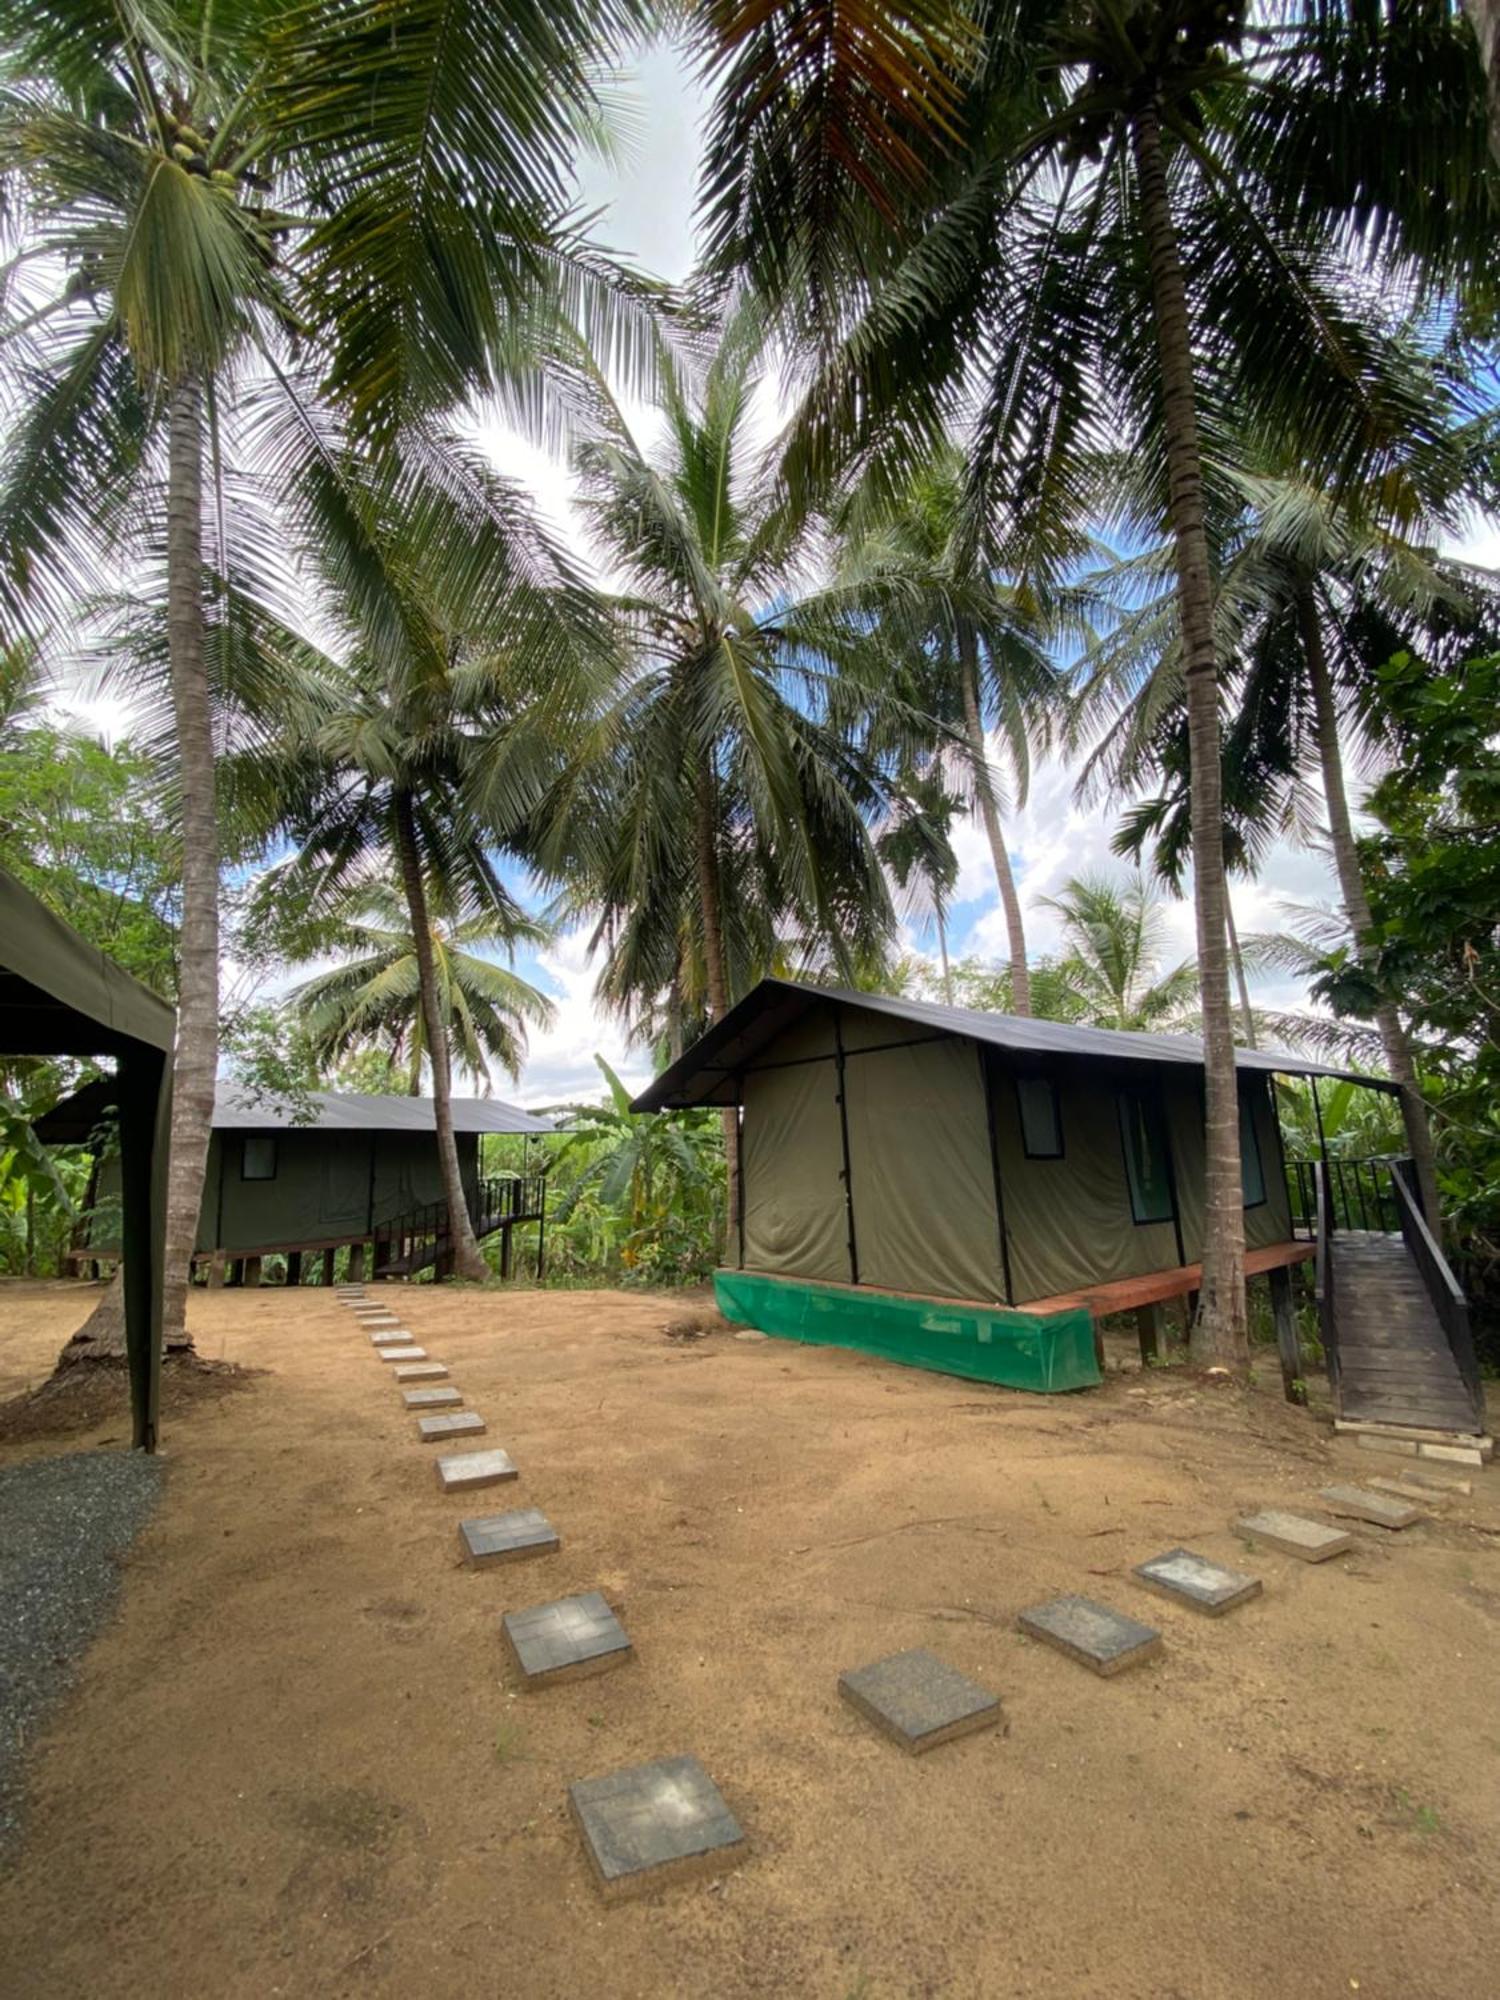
<point x="61" y="996"/>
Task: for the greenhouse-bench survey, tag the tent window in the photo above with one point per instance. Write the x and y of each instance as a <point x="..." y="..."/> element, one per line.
<point x="1252" y="1173"/>
<point x="258" y="1160"/>
<point x="1041" y="1117"/>
<point x="1143" y="1134"/>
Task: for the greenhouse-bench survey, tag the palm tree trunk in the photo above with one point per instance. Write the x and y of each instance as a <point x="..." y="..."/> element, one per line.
<point x="1220" y="1333"/>
<point x="707" y="863"/>
<point x="984" y="791"/>
<point x="196" y="1059"/>
<point x="468" y="1259"/>
<point x="1393" y="1037"/>
<point x="942" y="937"/>
<point x="1237" y="960"/>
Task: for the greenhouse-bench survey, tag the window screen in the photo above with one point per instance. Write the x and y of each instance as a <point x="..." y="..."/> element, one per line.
<point x="258" y="1161"/>
<point x="1252" y="1173"/>
<point x="1041" y="1117"/>
<point x="1143" y="1134"/>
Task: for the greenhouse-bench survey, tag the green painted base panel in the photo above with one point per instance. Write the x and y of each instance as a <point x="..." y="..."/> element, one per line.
<point x="1020" y="1350"/>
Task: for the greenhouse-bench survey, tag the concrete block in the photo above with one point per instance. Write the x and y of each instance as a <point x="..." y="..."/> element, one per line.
<point x="1453" y="1454"/>
<point x="508" y="1537"/>
<point x="565" y="1641"/>
<point x="431" y="1399"/>
<point x="399" y="1353"/>
<point x="454" y="1424"/>
<point x="463" y="1471"/>
<point x="1194" y="1580"/>
<point x="420" y="1371"/>
<point x="918" y="1700"/>
<point x="1355" y="1504"/>
<point x="1409" y="1489"/>
<point x="392" y="1336"/>
<point x="1093" y="1634"/>
<point x="1309" y="1541"/>
<point x="1393" y="1447"/>
<point x="655" y="1824"/>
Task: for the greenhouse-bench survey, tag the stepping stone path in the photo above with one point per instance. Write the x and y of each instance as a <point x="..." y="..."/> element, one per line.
<point x="421" y="1371"/>
<point x="1105" y="1640"/>
<point x="462" y="1471"/>
<point x="654" y="1824"/>
<point x="431" y="1399"/>
<point x="1309" y="1541"/>
<point x="1189" y="1579"/>
<point x="918" y="1700"/>
<point x="1355" y="1503"/>
<point x="461" y="1423"/>
<point x="506" y="1537"/>
<point x="565" y="1641"/>
<point x="395" y="1353"/>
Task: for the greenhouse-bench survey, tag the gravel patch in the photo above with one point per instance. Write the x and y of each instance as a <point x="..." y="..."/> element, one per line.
<point x="64" y="1524"/>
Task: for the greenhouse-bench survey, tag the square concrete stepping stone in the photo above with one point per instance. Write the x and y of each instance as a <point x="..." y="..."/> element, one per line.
<point x="1092" y="1634"/>
<point x="462" y="1471"/>
<point x="420" y="1371"/>
<point x="393" y="1336"/>
<point x="508" y="1537"/>
<point x="654" y="1824"/>
<point x="565" y="1641"/>
<point x="1309" y="1541"/>
<point x="454" y="1424"/>
<point x="1189" y="1579"/>
<point x="1415" y="1489"/>
<point x="1357" y="1505"/>
<point x="398" y="1353"/>
<point x="431" y="1399"/>
<point x="918" y="1700"/>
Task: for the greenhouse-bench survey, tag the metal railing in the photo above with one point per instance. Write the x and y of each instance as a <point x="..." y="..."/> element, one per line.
<point x="1361" y="1194"/>
<point x="1444" y="1290"/>
<point x="421" y="1236"/>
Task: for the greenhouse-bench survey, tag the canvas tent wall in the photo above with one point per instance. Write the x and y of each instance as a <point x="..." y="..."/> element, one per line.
<point x="943" y="1154"/>
<point x="60" y="996"/>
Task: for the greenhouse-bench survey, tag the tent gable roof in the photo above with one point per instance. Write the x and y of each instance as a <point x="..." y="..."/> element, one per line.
<point x="705" y="1073"/>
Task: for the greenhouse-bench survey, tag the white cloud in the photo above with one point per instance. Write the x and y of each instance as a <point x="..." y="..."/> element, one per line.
<point x="560" y="1065"/>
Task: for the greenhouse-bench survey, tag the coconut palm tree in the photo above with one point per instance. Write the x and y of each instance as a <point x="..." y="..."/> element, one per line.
<point x="1145" y="214"/>
<point x="199" y="192"/>
<point x="1111" y="961"/>
<point x="1315" y="593"/>
<point x="718" y="815"/>
<point x="968" y="650"/>
<point x="461" y="629"/>
<point x="373" y="997"/>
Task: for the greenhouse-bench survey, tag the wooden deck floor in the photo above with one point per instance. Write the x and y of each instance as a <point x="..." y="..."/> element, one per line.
<point x="1152" y="1287"/>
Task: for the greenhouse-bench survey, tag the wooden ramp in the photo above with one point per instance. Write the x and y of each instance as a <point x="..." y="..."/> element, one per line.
<point x="1395" y="1362"/>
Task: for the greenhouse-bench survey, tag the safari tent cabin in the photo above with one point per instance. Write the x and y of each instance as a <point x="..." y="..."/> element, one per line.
<point x="963" y="1190"/>
<point x="360" y="1170"/>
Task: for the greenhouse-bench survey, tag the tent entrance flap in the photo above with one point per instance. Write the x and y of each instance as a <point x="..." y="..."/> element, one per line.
<point x="1016" y="1349"/>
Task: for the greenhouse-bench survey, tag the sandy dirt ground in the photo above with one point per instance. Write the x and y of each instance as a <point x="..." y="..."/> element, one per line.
<point x="296" y="1763"/>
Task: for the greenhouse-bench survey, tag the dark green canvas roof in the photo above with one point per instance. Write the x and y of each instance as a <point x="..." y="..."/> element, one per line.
<point x="70" y="1122"/>
<point x="51" y="979"/>
<point x="61" y="996"/>
<point x="705" y="1073"/>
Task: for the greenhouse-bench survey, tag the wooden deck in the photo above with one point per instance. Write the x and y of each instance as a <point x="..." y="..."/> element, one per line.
<point x="1153" y="1287"/>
